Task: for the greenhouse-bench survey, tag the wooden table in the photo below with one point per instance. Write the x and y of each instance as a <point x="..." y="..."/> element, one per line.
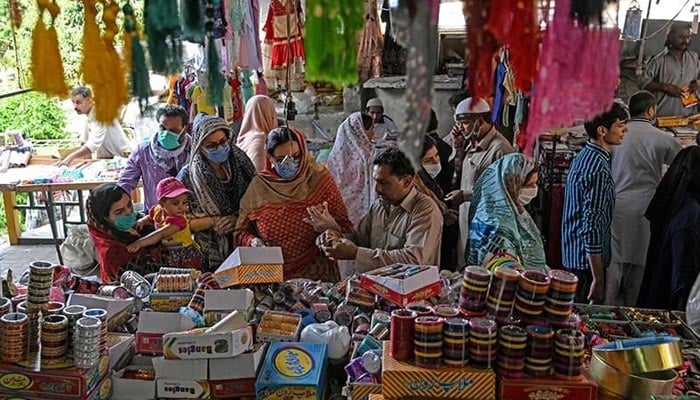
<point x="9" y="191"/>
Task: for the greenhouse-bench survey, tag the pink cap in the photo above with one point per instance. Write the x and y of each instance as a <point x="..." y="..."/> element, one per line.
<point x="170" y="188"/>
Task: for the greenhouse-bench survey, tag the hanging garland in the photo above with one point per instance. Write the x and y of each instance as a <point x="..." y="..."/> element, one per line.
<point x="331" y="40"/>
<point x="161" y="20"/>
<point x="135" y="59"/>
<point x="215" y="79"/>
<point x="47" y="66"/>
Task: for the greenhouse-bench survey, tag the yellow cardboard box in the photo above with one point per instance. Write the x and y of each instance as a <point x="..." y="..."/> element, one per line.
<point x="251" y="265"/>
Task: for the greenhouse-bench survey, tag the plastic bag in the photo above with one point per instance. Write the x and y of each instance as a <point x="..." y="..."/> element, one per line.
<point x="79" y="251"/>
<point x="692" y="308"/>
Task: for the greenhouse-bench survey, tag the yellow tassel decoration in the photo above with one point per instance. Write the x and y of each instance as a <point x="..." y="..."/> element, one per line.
<point x="47" y="66"/>
<point x="102" y="67"/>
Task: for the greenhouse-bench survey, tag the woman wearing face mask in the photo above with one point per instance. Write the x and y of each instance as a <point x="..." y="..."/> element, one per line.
<point x="112" y="226"/>
<point x="276" y="209"/>
<point x="217" y="175"/>
<point x="500" y="223"/>
<point x="161" y="157"/>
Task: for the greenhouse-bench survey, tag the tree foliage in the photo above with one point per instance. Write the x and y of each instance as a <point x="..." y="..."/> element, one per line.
<point x="35" y="115"/>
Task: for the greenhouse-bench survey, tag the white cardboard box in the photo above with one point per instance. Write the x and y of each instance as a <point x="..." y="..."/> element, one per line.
<point x="219" y="303"/>
<point x="196" y="344"/>
<point x="251" y="265"/>
<point x="153" y="325"/>
<point x="182" y="389"/>
<point x="240" y="367"/>
<point x="181" y="369"/>
<point x="118" y="310"/>
<point x="133" y="389"/>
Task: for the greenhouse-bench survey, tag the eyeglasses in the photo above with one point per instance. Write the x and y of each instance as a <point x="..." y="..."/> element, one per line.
<point x="214" y="145"/>
<point x="288" y="160"/>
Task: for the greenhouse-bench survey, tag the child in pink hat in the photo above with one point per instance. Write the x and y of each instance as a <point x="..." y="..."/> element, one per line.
<point x="172" y="228"/>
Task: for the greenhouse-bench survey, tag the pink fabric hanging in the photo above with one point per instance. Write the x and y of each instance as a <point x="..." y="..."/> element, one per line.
<point x="576" y="76"/>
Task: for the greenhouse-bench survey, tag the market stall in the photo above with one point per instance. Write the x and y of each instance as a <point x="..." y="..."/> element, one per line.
<point x="493" y="332"/>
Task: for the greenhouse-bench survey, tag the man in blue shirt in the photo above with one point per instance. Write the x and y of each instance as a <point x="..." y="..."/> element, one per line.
<point x="588" y="205"/>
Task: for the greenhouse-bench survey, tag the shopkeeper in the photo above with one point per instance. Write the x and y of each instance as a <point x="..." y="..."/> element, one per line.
<point x="402" y="226"/>
<point x="99" y="140"/>
<point x="161" y="157"/>
<point x="674" y="73"/>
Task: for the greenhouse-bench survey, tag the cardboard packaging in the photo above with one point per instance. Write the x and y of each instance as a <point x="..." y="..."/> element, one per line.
<point x="121" y="347"/>
<point x="196" y="344"/>
<point x="101" y="391"/>
<point x="363" y="391"/>
<point x="235" y="377"/>
<point x="118" y="310"/>
<point x="251" y="265"/>
<point x="182" y="389"/>
<point x="402" y="380"/>
<point x="232" y="388"/>
<point x="67" y="382"/>
<point x="547" y="388"/>
<point x="293" y="370"/>
<point x="153" y="325"/>
<point x="421" y="286"/>
<point x="376" y="397"/>
<point x="182" y="369"/>
<point x="219" y="303"/>
<point x="169" y="302"/>
<point x="134" y="389"/>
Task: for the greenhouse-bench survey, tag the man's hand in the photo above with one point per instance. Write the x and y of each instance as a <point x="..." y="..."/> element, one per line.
<point x="341" y="249"/>
<point x="327" y="238"/>
<point x="673" y="90"/>
<point x="693" y="85"/>
<point x="597" y="292"/>
<point x="450" y="217"/>
<point x="454" y="198"/>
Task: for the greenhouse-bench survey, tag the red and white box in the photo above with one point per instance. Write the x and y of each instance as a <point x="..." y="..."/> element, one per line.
<point x="547" y="388"/>
<point x="153" y="325"/>
<point x="421" y="285"/>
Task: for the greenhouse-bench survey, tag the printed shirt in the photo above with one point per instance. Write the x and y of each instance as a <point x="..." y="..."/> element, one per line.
<point x="588" y="208"/>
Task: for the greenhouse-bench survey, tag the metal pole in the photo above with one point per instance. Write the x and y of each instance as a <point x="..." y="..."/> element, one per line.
<point x="640" y="56"/>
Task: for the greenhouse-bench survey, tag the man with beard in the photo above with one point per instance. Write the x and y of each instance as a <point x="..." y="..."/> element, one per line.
<point x="673" y="74"/>
<point x="402" y="225"/>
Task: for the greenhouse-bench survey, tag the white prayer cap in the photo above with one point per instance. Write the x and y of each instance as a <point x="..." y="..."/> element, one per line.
<point x="466" y="107"/>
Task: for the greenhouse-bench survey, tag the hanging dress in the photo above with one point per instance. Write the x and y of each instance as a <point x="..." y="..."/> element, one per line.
<point x="276" y="33"/>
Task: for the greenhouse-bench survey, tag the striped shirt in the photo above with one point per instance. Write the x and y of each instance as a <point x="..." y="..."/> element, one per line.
<point x="588" y="208"/>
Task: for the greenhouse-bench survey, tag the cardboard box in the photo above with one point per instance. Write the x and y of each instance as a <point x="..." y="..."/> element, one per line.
<point x="219" y="303"/>
<point x="547" y="388"/>
<point x="421" y="286"/>
<point x="197" y="344"/>
<point x="293" y="370"/>
<point x="66" y="382"/>
<point x="232" y="388"/>
<point x="153" y="325"/>
<point x="121" y="347"/>
<point x="169" y="302"/>
<point x="251" y="265"/>
<point x="402" y="380"/>
<point x="182" y="389"/>
<point x="101" y="391"/>
<point x="362" y="391"/>
<point x="134" y="389"/>
<point x="243" y="366"/>
<point x="376" y="397"/>
<point x="197" y="370"/>
<point x="118" y="310"/>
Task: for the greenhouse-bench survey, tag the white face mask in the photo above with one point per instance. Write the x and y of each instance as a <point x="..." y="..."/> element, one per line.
<point x="432" y="169"/>
<point x="527" y="194"/>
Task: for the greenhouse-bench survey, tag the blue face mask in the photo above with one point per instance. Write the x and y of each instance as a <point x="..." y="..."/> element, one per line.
<point x="168" y="140"/>
<point x="219" y="154"/>
<point x="287" y="170"/>
<point x="125" y="222"/>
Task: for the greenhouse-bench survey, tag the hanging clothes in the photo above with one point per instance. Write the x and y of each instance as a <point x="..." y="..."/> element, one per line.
<point x="236" y="98"/>
<point x="369" y="55"/>
<point x="286" y="40"/>
<point x="250" y="53"/>
<point x="393" y="54"/>
<point x="483" y="48"/>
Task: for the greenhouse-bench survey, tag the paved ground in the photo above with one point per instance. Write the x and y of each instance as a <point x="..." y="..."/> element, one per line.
<point x="17" y="258"/>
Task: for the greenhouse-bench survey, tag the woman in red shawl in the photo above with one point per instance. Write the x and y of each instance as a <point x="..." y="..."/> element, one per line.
<point x="275" y="208"/>
<point x="112" y="225"/>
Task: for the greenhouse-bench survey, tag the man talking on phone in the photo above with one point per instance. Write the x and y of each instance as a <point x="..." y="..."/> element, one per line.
<point x="479" y="144"/>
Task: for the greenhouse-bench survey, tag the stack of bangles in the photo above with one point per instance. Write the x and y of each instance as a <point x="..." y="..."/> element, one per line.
<point x="512" y="341"/>
<point x="455" y="342"/>
<point x="483" y="336"/>
<point x="14" y="329"/>
<point x="54" y="337"/>
<point x="100" y="314"/>
<point x="86" y="352"/>
<point x="472" y="298"/>
<point x="568" y="353"/>
<point x="428" y="342"/>
<point x="538" y="353"/>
